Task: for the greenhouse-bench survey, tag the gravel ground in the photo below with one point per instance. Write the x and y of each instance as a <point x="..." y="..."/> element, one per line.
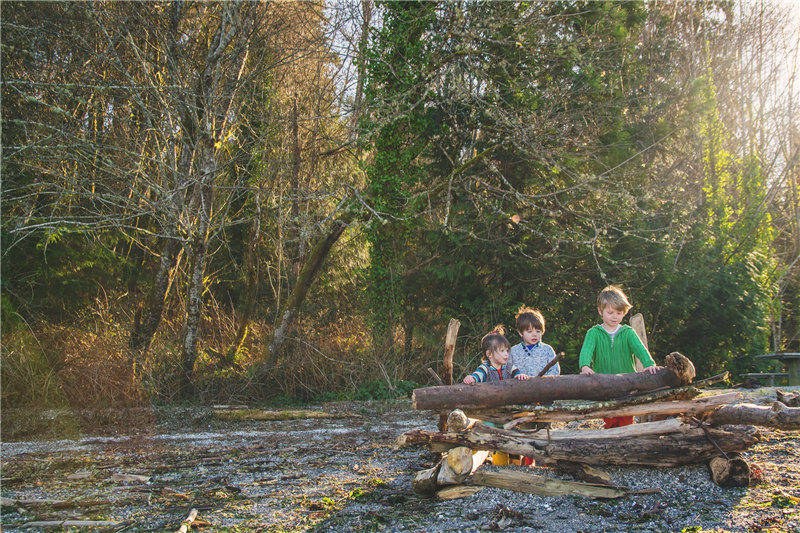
<point x="341" y="475"/>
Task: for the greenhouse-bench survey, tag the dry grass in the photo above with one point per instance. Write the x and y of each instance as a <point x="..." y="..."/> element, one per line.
<point x="88" y="364"/>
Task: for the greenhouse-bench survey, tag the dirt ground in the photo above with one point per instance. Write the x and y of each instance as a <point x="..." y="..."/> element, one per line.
<point x="338" y="474"/>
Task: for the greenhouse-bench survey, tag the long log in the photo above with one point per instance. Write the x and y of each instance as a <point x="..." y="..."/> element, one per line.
<point x="674" y="449"/>
<point x="544" y="486"/>
<point x="678" y="371"/>
<point x="776" y="416"/>
<point x="689" y="408"/>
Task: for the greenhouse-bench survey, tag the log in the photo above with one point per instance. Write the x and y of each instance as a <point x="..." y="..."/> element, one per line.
<point x="729" y="472"/>
<point x="789" y="399"/>
<point x="544" y="486"/>
<point x="451" y="470"/>
<point x="674" y="449"/>
<point x="661" y="427"/>
<point x="457" y="491"/>
<point x="679" y="371"/>
<point x="458" y="421"/>
<point x="776" y="416"/>
<point x="690" y="408"/>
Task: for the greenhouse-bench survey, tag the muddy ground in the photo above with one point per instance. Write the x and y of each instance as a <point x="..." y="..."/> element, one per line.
<point x="337" y="474"/>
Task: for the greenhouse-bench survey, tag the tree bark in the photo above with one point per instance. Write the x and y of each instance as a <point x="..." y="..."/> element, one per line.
<point x="678" y="371"/>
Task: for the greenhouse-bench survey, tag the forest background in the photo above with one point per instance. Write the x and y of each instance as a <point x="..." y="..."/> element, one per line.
<point x="288" y="201"/>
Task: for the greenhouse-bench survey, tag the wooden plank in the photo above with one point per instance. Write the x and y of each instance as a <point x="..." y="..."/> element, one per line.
<point x="637" y="323"/>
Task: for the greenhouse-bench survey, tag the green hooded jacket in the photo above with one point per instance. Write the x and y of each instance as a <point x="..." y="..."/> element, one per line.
<point x="605" y="356"/>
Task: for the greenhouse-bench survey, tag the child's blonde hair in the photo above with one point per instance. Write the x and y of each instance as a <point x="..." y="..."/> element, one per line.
<point x="494" y="340"/>
<point x="613" y="296"/>
<point x="528" y="318"/>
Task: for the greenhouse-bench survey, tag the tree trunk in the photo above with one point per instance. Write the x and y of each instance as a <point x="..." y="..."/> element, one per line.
<point x="679" y="371"/>
<point x="147" y="320"/>
<point x="251" y="269"/>
<point x="194" y="298"/>
<point x="314" y="260"/>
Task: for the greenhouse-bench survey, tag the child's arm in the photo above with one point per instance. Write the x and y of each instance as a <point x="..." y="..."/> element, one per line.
<point x="642" y="354"/>
<point x="476" y="377"/>
<point x="517" y="374"/>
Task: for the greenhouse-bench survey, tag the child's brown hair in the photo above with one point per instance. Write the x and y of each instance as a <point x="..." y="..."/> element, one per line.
<point x="613" y="296"/>
<point x="494" y="340"/>
<point x="528" y="318"/>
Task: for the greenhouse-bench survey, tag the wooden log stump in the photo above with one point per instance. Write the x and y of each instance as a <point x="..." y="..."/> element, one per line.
<point x="451" y="470"/>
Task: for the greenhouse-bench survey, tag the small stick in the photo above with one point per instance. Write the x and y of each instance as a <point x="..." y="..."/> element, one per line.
<point x="436" y="378"/>
<point x="551" y="364"/>
<point x="710" y="439"/>
<point x="187" y="523"/>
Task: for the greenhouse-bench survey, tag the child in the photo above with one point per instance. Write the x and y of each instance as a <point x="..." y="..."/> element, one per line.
<point x="495" y="367"/>
<point x="532" y="355"/>
<point x="609" y="348"/>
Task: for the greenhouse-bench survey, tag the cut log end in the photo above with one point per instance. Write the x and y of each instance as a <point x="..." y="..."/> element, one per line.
<point x="681" y="366"/>
<point x="730" y="472"/>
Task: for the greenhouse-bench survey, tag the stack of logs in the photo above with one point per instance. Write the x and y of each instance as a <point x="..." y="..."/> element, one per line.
<point x="687" y="429"/>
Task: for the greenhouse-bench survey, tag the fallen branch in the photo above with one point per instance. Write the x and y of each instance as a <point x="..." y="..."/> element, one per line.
<point x="187" y="522"/>
<point x="550" y="365"/>
<point x="67" y="523"/>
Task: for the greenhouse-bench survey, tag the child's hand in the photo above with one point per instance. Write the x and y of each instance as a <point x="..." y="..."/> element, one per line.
<point x="522" y="376"/>
<point x="586" y="370"/>
<point x="469" y="380"/>
<point x="653" y="369"/>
